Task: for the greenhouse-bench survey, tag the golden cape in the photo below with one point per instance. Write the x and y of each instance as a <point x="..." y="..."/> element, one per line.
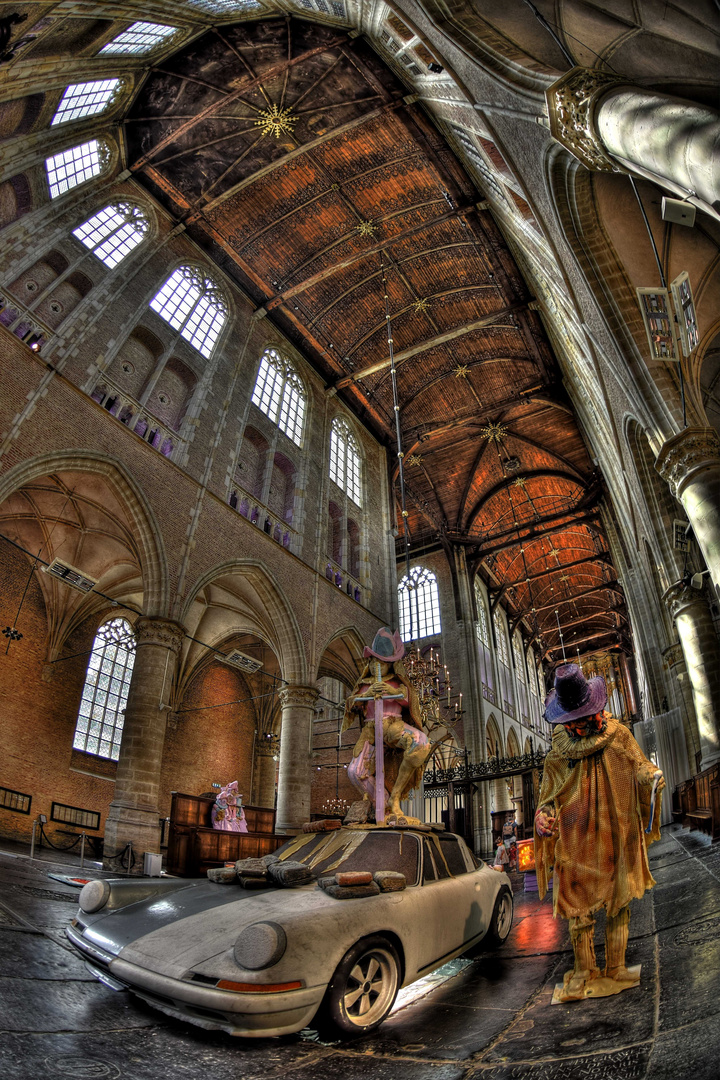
<point x="599" y="789"/>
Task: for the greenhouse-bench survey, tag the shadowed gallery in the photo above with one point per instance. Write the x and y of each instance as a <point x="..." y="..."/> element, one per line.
<point x="319" y="317"/>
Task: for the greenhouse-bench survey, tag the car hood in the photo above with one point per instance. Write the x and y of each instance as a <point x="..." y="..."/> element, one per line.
<point x="176" y="932"/>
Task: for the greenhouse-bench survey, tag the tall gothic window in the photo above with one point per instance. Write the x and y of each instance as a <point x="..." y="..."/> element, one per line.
<point x="419" y="604"/>
<point x="113" y="232"/>
<point x="85" y="99"/>
<point x="100" y="720"/>
<point x="345" y="460"/>
<point x="138" y="39"/>
<point x="74" y="166"/>
<point x="280" y="394"/>
<point x="501" y="639"/>
<point x="192" y="303"/>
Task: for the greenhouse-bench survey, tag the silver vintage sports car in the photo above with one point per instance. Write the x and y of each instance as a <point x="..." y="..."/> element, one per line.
<point x="265" y="961"/>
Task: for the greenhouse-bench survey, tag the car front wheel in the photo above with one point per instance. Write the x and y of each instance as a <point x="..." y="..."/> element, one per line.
<point x="363" y="989"/>
<point x="501" y="921"/>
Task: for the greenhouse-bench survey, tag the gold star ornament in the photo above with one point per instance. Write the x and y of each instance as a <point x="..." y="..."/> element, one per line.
<point x="366" y="228"/>
<point x="494" y="432"/>
<point x="275" y="121"/>
<point x="460" y="372"/>
<point x="415" y="459"/>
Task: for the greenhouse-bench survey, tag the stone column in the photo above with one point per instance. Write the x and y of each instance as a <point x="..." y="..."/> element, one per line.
<point x="133" y="816"/>
<point x="681" y="694"/>
<point x="298" y="706"/>
<point x="263" y="793"/>
<point x="690" y="462"/>
<point x="701" y="650"/>
<point x="611" y="126"/>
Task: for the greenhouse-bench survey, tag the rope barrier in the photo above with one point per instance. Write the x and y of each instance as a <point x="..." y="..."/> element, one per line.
<point x="57" y="847"/>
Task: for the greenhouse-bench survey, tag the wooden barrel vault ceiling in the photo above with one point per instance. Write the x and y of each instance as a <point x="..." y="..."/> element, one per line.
<point x="302" y="165"/>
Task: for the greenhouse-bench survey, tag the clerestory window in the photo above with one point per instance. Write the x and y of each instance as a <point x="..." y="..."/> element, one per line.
<point x="74" y="166"/>
<point x="345" y="469"/>
<point x="113" y="232"/>
<point x="419" y="604"/>
<point x="85" y="99"/>
<point x="191" y="302"/>
<point x="138" y="39"/>
<point x="101" y="716"/>
<point x="280" y="394"/>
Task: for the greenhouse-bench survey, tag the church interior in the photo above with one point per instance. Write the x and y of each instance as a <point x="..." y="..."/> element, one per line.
<point x="323" y="316"/>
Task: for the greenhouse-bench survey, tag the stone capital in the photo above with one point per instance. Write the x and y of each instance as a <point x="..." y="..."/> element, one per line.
<point x="685" y="452"/>
<point x="572" y="102"/>
<point x="681" y="596"/>
<point x="156" y="631"/>
<point x="299" y="697"/>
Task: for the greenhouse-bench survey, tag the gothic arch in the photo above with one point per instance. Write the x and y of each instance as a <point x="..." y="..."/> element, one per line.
<point x="342" y="656"/>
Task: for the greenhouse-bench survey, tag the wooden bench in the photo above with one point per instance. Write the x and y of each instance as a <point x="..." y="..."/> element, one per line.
<point x="698" y="802"/>
<point x="194" y="846"/>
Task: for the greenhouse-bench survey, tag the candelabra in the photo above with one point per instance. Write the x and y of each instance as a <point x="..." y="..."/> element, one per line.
<point x="335" y="806"/>
<point x="440" y="707"/>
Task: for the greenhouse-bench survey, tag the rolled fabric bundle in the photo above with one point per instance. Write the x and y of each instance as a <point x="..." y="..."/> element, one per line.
<point x="390" y="881"/>
<point x="268" y="860"/>
<point x="353" y="877"/>
<point x="326" y="825"/>
<point x="290" y="873"/>
<point x="251" y="868"/>
<point x="264" y="882"/>
<point x="351" y="892"/>
<point x="222" y="875"/>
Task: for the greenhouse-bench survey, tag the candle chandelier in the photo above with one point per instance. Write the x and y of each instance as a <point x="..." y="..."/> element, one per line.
<point x="440" y="706"/>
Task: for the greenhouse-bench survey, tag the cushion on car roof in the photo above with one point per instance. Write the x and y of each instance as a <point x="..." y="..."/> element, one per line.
<point x="290" y="873"/>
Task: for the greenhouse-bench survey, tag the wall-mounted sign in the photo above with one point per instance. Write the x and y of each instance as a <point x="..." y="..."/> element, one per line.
<point x="685" y="312"/>
<point x="659" y="322"/>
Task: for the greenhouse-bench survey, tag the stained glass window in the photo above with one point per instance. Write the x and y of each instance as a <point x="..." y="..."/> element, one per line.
<point x="419" y="604"/>
<point x="113" y="232"/>
<point x="74" y="166"/>
<point x="85" y="99"/>
<point x="191" y="303"/>
<point x="138" y="39"/>
<point x="101" y="716"/>
<point x="501" y="639"/>
<point x="280" y="394"/>
<point x="345" y="467"/>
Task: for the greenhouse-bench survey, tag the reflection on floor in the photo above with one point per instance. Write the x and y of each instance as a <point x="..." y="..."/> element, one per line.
<point x="485" y="1019"/>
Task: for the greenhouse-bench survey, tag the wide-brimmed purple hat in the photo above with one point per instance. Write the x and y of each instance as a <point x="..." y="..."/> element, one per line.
<point x="574" y="696"/>
<point x="387" y="646"/>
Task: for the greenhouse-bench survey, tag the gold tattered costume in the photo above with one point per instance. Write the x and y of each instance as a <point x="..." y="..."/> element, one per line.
<point x="598" y="796"/>
<point x="603" y="785"/>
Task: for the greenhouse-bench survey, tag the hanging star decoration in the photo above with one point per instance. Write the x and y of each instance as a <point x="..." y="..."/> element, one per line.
<point x="415" y="459"/>
<point x="519" y="481"/>
<point x="275" y="121"/>
<point x="564" y="577"/>
<point x="366" y="228"/>
<point x="460" y="372"/>
<point x="494" y="432"/>
<point x="421" y="306"/>
<point x="553" y="551"/>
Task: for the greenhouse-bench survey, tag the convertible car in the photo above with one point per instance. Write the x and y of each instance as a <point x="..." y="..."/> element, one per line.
<point x="265" y="961"/>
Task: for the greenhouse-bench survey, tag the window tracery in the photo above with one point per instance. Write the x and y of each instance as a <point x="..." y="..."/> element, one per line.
<point x="69" y="168"/>
<point x="113" y="232"/>
<point x="191" y="302"/>
<point x="85" y="99"/>
<point x="345" y="468"/>
<point x="101" y="716"/>
<point x="280" y="394"/>
<point x="419" y="604"/>
<point x="138" y="39"/>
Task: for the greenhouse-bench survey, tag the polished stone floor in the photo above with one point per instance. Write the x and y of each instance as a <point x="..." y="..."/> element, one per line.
<point x="486" y="1019"/>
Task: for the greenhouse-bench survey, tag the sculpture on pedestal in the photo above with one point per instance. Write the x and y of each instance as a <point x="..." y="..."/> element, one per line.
<point x="385" y="697"/>
<point x="599" y="808"/>
<point x="227" y="813"/>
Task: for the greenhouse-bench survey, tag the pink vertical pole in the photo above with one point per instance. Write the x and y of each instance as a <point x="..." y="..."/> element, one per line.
<point x="379" y="763"/>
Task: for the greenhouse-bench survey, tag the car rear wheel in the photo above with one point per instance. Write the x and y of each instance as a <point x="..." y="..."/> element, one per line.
<point x="501" y="921"/>
<point x="363" y="989"/>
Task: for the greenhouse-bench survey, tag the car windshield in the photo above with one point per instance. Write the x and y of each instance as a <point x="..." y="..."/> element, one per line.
<point x="351" y="849"/>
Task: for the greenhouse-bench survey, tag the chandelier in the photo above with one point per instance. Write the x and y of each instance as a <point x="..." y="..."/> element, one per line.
<point x="440" y="707"/>
<point x="336" y="806"/>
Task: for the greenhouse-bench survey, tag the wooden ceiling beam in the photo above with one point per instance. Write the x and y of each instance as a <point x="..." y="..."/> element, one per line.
<point x="611" y="586"/>
<point x="588" y="637"/>
<point x="431" y="343"/>
<point x="603" y="556"/>
<point x="545" y="527"/>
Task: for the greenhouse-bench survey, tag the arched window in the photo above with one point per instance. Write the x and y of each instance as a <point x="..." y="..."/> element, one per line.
<point x="74" y="166"/>
<point x="191" y="303"/>
<point x="85" y="99"/>
<point x="501" y="639"/>
<point x="100" y="719"/>
<point x="112" y="233"/>
<point x="225" y="7"/>
<point x="138" y="39"/>
<point x="419" y="604"/>
<point x="280" y="394"/>
<point x="482" y="628"/>
<point x="345" y="460"/>
<point x="519" y="659"/>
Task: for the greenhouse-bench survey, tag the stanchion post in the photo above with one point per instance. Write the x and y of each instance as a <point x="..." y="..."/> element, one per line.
<point x="82" y="850"/>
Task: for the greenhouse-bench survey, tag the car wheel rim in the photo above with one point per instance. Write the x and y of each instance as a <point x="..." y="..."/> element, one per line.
<point x="370" y="989"/>
<point x="504" y="920"/>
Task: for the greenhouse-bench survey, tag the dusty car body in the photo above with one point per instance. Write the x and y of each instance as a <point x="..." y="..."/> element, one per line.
<point x="263" y="962"/>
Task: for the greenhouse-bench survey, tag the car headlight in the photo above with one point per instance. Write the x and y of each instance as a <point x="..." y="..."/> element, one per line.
<point x="94" y="896"/>
<point x="260" y="945"/>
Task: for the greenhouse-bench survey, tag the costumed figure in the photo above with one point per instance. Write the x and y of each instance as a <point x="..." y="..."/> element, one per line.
<point x="227" y="813"/>
<point x="383" y="684"/>
<point x="501" y="857"/>
<point x="599" y="808"/>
